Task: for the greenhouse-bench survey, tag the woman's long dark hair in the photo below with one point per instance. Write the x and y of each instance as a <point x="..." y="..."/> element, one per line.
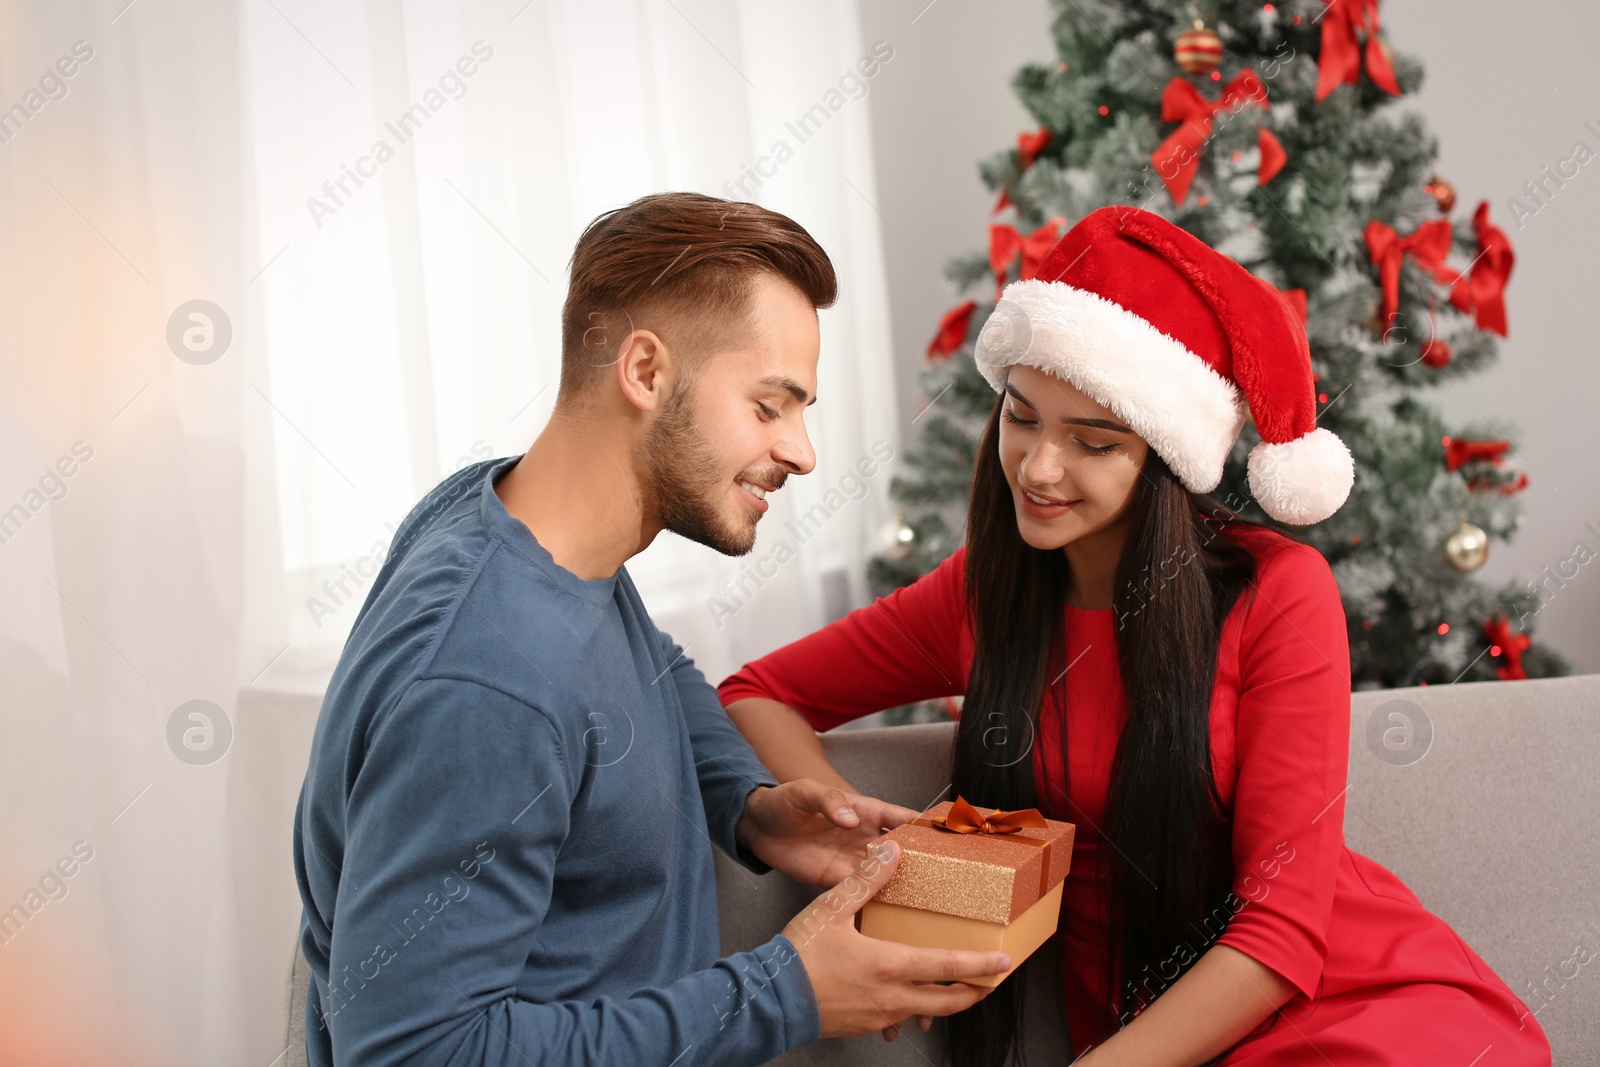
<point x="1175" y="583"/>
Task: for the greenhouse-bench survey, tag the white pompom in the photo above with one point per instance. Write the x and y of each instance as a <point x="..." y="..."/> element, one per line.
<point x="1302" y="481"/>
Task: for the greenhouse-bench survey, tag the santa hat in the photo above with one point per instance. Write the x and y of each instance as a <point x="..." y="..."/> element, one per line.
<point x="1177" y="339"/>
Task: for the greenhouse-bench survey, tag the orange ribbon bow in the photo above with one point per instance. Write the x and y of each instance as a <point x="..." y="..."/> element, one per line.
<point x="1339" y="62"/>
<point x="963" y="818"/>
<point x="1179" y="155"/>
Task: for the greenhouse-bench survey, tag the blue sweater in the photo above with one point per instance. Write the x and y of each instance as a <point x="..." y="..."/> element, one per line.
<point x="503" y="843"/>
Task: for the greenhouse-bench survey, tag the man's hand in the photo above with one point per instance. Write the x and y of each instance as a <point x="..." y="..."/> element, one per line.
<point x="812" y="832"/>
<point x="862" y="984"/>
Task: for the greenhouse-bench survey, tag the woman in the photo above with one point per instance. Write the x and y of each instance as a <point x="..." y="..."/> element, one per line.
<point x="1140" y="661"/>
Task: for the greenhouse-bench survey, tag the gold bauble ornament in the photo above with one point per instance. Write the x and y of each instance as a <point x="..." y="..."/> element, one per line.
<point x="1467" y="548"/>
<point x="1198" y="51"/>
<point x="896" y="538"/>
<point x="1443" y="192"/>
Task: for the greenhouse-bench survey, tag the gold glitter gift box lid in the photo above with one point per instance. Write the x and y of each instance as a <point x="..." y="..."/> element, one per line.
<point x="987" y="876"/>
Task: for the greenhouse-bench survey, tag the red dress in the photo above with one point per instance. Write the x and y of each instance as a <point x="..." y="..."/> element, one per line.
<point x="1380" y="979"/>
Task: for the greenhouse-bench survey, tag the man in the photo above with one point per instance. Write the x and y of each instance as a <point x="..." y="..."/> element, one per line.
<point x="503" y="841"/>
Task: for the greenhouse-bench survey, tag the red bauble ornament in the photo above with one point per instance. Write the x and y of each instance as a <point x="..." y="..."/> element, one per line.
<point x="1436" y="352"/>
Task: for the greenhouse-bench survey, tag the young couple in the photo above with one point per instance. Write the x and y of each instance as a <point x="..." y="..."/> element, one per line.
<point x="503" y="843"/>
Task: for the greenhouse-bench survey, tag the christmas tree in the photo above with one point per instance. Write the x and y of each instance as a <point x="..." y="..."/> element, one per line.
<point x="1270" y="132"/>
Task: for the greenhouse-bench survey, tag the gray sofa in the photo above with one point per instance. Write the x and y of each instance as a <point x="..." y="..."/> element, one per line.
<point x="1482" y="797"/>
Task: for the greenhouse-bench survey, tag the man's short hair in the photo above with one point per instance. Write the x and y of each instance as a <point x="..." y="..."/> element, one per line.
<point x="685" y="266"/>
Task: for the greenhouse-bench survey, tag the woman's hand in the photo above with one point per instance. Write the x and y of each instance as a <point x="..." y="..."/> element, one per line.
<point x="813" y="832"/>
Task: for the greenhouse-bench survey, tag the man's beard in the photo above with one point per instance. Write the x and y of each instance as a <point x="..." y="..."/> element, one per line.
<point x="685" y="481"/>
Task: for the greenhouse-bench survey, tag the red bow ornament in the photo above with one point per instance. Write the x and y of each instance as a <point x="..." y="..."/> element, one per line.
<point x="952" y="330"/>
<point x="1297" y="303"/>
<point x="1511" y="646"/>
<point x="1178" y="157"/>
<point x="1339" y="62"/>
<point x="1427" y="247"/>
<point x="1029" y="145"/>
<point x="1484" y="294"/>
<point x="1480" y="484"/>
<point x="1458" y="452"/>
<point x="1005" y="243"/>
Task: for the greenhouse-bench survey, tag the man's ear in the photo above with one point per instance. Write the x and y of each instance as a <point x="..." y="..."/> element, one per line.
<point x="645" y="369"/>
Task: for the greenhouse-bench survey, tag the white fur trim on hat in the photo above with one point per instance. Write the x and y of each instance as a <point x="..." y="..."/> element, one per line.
<point x="1189" y="414"/>
<point x="1302" y="481"/>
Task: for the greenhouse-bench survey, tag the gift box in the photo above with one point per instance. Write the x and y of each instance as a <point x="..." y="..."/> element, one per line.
<point x="971" y="878"/>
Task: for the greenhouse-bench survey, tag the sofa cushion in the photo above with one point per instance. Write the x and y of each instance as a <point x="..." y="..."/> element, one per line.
<point x="1496" y="829"/>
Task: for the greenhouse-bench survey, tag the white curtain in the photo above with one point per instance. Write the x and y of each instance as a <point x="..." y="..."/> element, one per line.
<point x="238" y="340"/>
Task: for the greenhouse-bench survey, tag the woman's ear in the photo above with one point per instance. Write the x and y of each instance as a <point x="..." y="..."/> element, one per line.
<point x="645" y="369"/>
